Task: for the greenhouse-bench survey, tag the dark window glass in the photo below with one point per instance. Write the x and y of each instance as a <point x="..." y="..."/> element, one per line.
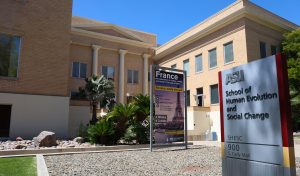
<point x="132" y="76"/>
<point x="108" y="72"/>
<point x="188" y="102"/>
<point x="263" y="52"/>
<point x="75" y="71"/>
<point x="228" y="52"/>
<point x="9" y="55"/>
<point x="129" y="76"/>
<point x="200" y="96"/>
<point x="214" y="94"/>
<point x="186" y="67"/>
<point x="83" y="70"/>
<point x="213" y="58"/>
<point x="273" y="50"/>
<point x="135" y="77"/>
<point x="198" y="62"/>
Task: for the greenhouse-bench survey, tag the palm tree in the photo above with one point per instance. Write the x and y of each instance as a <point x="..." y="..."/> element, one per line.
<point x="98" y="89"/>
<point x="143" y="106"/>
<point x="122" y="115"/>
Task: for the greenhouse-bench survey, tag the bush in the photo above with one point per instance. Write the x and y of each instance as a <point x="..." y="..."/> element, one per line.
<point x="101" y="132"/>
<point x="136" y="132"/>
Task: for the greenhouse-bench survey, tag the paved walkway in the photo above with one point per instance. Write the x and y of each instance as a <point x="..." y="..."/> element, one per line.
<point x="218" y="144"/>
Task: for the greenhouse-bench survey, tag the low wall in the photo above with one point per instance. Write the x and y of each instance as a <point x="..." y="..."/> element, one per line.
<point x="78" y="115"/>
<point x="32" y="114"/>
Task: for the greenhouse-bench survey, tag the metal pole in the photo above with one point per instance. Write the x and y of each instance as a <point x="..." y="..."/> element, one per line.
<point x="185" y="111"/>
<point x="151" y="105"/>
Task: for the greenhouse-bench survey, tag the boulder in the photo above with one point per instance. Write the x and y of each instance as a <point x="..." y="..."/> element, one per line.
<point x="19" y="139"/>
<point x="45" y="139"/>
<point x="20" y="146"/>
<point x="78" y="140"/>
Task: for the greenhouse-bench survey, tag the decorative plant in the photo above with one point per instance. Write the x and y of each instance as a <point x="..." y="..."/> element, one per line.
<point x="122" y="115"/>
<point x="101" y="131"/>
<point x="98" y="89"/>
<point x="143" y="106"/>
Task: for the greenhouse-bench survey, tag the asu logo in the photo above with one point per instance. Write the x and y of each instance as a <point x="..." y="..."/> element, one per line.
<point x="234" y="77"/>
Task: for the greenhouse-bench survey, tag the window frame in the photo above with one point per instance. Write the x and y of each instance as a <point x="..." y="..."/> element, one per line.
<point x="211" y="68"/>
<point x="210" y="93"/>
<point x="114" y="71"/>
<point x="19" y="56"/>
<point x="186" y="61"/>
<point x="276" y="49"/>
<point x="132" y="76"/>
<point x="188" y="98"/>
<point x="201" y="63"/>
<point x="79" y="70"/>
<point x="260" y="49"/>
<point x="224" y="53"/>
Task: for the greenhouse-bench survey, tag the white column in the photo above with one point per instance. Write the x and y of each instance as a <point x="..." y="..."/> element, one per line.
<point x="95" y="59"/>
<point x="121" y="75"/>
<point x="146" y="66"/>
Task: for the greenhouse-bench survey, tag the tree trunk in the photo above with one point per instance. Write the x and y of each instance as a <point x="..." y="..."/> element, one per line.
<point x="94" y="117"/>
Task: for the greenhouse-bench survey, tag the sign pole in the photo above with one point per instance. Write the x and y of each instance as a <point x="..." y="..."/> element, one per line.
<point x="185" y="110"/>
<point x="151" y="106"/>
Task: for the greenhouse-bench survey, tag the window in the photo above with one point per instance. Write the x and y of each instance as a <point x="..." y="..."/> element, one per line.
<point x="9" y="55"/>
<point x="174" y="66"/>
<point x="212" y="58"/>
<point x="186" y="67"/>
<point x="273" y="50"/>
<point x="198" y="63"/>
<point x="108" y="72"/>
<point x="263" y="52"/>
<point x="79" y="70"/>
<point x="228" y="52"/>
<point x="188" y="103"/>
<point x="199" y="96"/>
<point x="214" y="94"/>
<point x="132" y="76"/>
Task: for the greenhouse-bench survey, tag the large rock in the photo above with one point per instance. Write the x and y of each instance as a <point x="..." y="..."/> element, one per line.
<point x="45" y="139"/>
<point x="78" y="140"/>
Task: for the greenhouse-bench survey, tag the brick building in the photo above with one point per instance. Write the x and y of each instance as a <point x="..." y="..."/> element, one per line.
<point x="45" y="54"/>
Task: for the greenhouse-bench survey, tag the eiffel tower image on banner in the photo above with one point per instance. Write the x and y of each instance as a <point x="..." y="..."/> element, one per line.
<point x="178" y="116"/>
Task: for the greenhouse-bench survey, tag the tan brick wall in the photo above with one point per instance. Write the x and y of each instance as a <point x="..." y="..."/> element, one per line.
<point x="235" y="33"/>
<point x="256" y="33"/>
<point x="44" y="27"/>
<point x="134" y="62"/>
<point x="108" y="55"/>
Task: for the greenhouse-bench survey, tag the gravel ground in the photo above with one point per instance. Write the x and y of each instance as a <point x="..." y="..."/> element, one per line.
<point x="196" y="161"/>
<point x="199" y="160"/>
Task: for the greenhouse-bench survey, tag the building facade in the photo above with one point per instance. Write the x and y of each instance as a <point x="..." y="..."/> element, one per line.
<point x="236" y="35"/>
<point x="34" y="67"/>
<point x="46" y="54"/>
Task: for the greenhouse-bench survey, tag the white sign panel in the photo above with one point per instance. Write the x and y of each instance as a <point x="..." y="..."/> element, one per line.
<point x="252" y="126"/>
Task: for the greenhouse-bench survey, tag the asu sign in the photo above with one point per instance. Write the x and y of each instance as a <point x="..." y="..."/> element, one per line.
<point x="255" y="119"/>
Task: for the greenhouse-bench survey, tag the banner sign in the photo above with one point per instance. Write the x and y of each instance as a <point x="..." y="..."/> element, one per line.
<point x="169" y="106"/>
<point x="253" y="123"/>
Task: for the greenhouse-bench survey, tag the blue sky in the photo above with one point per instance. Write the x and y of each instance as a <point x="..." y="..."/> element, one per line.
<point x="169" y="18"/>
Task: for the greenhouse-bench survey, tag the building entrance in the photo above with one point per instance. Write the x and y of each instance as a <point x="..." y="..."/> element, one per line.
<point x="5" y="115"/>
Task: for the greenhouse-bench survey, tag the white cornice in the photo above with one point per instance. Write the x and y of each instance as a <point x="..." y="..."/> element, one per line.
<point x="96" y="35"/>
<point x="112" y="27"/>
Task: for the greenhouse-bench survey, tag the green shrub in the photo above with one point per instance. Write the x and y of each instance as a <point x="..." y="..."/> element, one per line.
<point x="136" y="132"/>
<point x="101" y="132"/>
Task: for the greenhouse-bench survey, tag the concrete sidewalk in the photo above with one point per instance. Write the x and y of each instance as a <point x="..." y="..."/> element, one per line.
<point x="218" y="144"/>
